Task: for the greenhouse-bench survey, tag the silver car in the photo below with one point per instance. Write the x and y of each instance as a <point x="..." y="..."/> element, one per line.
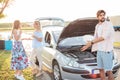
<point x="62" y="55"/>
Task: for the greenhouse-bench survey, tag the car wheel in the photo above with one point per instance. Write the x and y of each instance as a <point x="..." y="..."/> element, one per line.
<point x="56" y="71"/>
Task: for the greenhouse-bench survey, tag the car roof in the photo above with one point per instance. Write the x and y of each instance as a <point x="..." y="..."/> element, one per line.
<point x="49" y="18"/>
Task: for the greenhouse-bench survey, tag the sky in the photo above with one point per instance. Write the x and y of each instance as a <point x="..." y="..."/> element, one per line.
<point x="29" y="10"/>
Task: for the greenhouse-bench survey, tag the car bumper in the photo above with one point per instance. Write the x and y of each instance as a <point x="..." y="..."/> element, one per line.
<point x="69" y="73"/>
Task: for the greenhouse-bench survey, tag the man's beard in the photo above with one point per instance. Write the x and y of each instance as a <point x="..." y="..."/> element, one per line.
<point x="102" y="20"/>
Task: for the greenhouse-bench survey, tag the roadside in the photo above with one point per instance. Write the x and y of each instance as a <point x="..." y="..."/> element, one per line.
<point x="117" y="50"/>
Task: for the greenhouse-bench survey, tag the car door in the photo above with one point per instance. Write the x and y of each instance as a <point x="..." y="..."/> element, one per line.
<point x="48" y="51"/>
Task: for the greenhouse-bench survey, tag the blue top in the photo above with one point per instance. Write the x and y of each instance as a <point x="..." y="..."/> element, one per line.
<point x="35" y="42"/>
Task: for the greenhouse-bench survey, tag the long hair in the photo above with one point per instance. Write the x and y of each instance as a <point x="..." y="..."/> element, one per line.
<point x="16" y="24"/>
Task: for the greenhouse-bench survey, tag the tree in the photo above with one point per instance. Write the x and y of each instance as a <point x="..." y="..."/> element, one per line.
<point x="3" y="5"/>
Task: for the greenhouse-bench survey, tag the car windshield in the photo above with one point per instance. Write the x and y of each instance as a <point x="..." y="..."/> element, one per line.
<point x="73" y="41"/>
<point x="56" y="35"/>
<point x="51" y="21"/>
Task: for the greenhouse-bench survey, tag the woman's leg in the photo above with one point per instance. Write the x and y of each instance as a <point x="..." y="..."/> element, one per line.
<point x="39" y="57"/>
<point x="32" y="61"/>
<point x="16" y="71"/>
<point x="19" y="75"/>
<point x="39" y="52"/>
<point x="19" y="72"/>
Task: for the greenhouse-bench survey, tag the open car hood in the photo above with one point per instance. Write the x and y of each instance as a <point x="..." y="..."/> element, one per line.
<point x="79" y="27"/>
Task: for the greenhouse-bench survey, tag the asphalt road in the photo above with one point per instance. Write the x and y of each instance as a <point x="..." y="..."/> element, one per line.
<point x="45" y="76"/>
<point x="118" y="56"/>
<point x="117" y="39"/>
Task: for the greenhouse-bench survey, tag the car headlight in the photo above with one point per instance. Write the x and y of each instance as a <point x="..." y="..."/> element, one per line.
<point x="76" y="64"/>
<point x="71" y="62"/>
<point x="65" y="60"/>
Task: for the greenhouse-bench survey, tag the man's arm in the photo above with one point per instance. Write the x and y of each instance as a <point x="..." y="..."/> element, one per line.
<point x="96" y="40"/>
<point x="90" y="43"/>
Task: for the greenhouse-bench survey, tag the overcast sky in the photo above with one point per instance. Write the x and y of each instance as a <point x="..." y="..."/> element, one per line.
<point x="28" y="10"/>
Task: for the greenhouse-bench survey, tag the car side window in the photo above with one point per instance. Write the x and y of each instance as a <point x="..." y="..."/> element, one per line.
<point x="47" y="38"/>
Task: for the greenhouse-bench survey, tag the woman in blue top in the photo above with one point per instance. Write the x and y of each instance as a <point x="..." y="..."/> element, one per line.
<point x="37" y="49"/>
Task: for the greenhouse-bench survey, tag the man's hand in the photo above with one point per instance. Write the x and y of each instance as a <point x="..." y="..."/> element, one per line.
<point x="86" y="46"/>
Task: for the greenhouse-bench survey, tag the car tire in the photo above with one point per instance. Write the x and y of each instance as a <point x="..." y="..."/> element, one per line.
<point x="56" y="71"/>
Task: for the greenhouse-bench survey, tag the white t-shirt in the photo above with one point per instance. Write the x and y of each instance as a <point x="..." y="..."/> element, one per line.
<point x="106" y="31"/>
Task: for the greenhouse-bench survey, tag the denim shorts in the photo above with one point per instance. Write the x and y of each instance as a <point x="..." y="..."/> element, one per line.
<point x="105" y="60"/>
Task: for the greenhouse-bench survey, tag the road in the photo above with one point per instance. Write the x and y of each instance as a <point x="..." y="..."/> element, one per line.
<point x="118" y="56"/>
<point x="117" y="39"/>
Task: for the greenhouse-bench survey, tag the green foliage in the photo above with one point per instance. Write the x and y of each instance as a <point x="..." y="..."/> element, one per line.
<point x="117" y="44"/>
<point x="2" y="15"/>
<point x="1" y="1"/>
<point x="3" y="5"/>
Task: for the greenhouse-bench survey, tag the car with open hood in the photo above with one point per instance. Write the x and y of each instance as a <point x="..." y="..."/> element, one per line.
<point x="62" y="55"/>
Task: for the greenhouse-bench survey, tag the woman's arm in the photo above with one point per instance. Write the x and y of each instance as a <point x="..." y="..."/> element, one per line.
<point x="16" y="34"/>
<point x="39" y="39"/>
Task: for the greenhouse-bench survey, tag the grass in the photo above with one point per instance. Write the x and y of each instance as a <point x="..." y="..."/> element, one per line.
<point x="8" y="27"/>
<point x="117" y="44"/>
<point x="5" y="72"/>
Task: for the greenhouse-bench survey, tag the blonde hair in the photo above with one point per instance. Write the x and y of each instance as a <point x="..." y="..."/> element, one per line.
<point x="38" y="24"/>
<point x="16" y="24"/>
